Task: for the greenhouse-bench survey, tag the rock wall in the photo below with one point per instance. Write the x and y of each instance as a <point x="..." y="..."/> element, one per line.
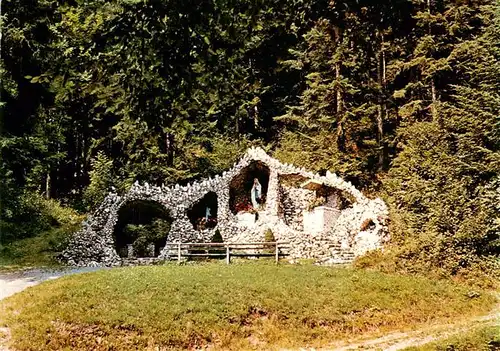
<point x="94" y="243"/>
<point x="320" y="219"/>
<point x="294" y="202"/>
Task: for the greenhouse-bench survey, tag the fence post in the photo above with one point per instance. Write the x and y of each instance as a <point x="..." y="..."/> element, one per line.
<point x="277" y="253"/>
<point x="179" y="253"/>
<point x="228" y="255"/>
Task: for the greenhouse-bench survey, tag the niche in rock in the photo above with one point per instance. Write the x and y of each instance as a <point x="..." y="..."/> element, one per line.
<point x="339" y="199"/>
<point x="203" y="214"/>
<point x="142" y="229"/>
<point x="367" y="224"/>
<point x="324" y="207"/>
<point x="240" y="188"/>
<point x="330" y="197"/>
<point x="293" y="199"/>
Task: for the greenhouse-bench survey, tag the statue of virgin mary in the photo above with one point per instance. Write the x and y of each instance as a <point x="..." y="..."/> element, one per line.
<point x="256" y="193"/>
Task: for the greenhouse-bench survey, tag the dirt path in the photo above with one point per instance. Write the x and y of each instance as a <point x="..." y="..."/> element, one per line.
<point x="401" y="340"/>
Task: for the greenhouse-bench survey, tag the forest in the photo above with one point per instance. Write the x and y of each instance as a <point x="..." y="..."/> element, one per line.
<point x="400" y="97"/>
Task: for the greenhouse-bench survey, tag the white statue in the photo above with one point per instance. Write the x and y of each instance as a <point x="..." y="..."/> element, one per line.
<point x="256" y="193"/>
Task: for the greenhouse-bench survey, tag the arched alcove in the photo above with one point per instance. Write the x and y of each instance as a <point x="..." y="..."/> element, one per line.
<point x="241" y="186"/>
<point x="336" y="198"/>
<point x="144" y="225"/>
<point x="203" y="214"/>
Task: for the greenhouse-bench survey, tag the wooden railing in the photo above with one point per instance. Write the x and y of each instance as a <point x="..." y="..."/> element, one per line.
<point x="257" y="249"/>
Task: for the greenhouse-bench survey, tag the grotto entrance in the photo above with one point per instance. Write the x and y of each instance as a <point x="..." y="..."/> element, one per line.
<point x="327" y="196"/>
<point x="203" y="214"/>
<point x="240" y="188"/>
<point x="142" y="229"/>
<point x="324" y="207"/>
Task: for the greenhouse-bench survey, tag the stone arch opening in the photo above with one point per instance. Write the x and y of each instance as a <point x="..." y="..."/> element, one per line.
<point x="142" y="229"/>
<point x="240" y="199"/>
<point x="324" y="208"/>
<point x="203" y="214"/>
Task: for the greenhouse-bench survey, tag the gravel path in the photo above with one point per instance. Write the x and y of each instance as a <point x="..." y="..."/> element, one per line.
<point x="14" y="282"/>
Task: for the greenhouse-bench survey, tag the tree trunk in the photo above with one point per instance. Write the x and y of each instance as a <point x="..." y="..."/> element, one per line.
<point x="83" y="159"/>
<point x="338" y="99"/>
<point x="434" y="100"/>
<point x="47" y="185"/>
<point x="170" y="148"/>
<point x="384" y="102"/>
<point x="78" y="151"/>
<point x="338" y="95"/>
<point x="429" y="11"/>
<point x="256" y="117"/>
<point x="339" y="92"/>
<point x="237" y="125"/>
<point x="433" y="83"/>
<point x="382" y="108"/>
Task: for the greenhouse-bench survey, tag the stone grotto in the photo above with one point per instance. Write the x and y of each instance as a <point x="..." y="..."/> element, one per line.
<point x="322" y="217"/>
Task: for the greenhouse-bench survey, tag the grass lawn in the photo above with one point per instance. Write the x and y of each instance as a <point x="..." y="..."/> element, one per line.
<point x="240" y="306"/>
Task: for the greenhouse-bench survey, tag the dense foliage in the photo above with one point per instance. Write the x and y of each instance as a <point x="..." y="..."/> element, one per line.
<point x="400" y="97"/>
<point x="145" y="234"/>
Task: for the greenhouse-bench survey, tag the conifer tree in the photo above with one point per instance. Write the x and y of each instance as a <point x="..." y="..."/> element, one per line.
<point x="442" y="184"/>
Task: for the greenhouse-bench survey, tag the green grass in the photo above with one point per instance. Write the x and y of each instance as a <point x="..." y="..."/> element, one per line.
<point x="480" y="339"/>
<point x="38" y="251"/>
<point x="240" y="306"/>
<point x="44" y="232"/>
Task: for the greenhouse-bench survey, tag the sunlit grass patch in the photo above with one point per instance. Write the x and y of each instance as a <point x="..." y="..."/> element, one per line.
<point x="240" y="306"/>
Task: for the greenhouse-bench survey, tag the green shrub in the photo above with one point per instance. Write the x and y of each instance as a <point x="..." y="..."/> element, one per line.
<point x="482" y="272"/>
<point x="370" y="259"/>
<point x="269" y="236"/>
<point x="318" y="151"/>
<point x="34" y="215"/>
<point x="217" y="238"/>
<point x="37" y="230"/>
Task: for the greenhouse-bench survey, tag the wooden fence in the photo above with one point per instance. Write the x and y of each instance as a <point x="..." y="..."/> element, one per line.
<point x="228" y="250"/>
